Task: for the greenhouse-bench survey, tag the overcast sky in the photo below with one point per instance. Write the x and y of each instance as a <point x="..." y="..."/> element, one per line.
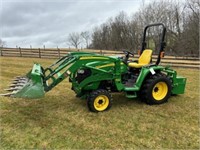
<point x="48" y="22"/>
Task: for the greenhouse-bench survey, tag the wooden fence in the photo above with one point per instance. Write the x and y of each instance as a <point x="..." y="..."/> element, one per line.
<point x="55" y="53"/>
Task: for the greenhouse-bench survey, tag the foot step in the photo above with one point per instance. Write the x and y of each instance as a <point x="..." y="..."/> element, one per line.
<point x="130" y="94"/>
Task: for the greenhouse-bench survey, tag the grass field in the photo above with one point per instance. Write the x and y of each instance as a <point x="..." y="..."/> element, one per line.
<point x="62" y="121"/>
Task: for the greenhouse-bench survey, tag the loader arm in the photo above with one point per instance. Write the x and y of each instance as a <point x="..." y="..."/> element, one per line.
<point x="61" y="69"/>
<point x="68" y="66"/>
<point x="39" y="80"/>
<point x="57" y="72"/>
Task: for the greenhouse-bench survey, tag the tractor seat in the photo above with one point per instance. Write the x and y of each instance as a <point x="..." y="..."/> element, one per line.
<point x="144" y="59"/>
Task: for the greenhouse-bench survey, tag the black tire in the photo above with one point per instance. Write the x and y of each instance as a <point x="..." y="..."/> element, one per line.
<point x="99" y="100"/>
<point x="156" y="89"/>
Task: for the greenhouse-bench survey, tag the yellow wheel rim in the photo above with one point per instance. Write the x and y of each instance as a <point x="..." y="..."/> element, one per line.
<point x="160" y="90"/>
<point x="101" y="102"/>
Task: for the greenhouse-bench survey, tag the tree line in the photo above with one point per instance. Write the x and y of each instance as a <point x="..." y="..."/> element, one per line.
<point x="125" y="32"/>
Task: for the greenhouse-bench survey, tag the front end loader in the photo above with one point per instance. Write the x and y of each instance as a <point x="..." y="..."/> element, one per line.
<point x="94" y="77"/>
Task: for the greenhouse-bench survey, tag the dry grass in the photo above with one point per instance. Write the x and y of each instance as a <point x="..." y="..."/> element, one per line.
<point x="62" y="121"/>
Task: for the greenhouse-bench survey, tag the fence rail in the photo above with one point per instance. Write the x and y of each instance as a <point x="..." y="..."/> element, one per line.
<point x="55" y="53"/>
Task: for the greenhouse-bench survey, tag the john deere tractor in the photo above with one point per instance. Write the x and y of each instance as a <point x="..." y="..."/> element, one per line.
<point x="94" y="77"/>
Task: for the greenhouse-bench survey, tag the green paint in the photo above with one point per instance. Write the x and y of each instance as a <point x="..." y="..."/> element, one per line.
<point x="179" y="85"/>
<point x="34" y="87"/>
<point x="103" y="68"/>
<point x="31" y="90"/>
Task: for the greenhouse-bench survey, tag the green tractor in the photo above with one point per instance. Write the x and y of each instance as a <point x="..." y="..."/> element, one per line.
<point x="94" y="77"/>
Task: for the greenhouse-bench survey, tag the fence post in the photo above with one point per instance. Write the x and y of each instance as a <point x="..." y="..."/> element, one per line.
<point x="20" y="52"/>
<point x="58" y="52"/>
<point x="39" y="52"/>
<point x="1" y="49"/>
<point x="101" y="52"/>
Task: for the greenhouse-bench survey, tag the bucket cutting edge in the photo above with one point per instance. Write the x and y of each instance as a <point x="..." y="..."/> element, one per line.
<point x="28" y="86"/>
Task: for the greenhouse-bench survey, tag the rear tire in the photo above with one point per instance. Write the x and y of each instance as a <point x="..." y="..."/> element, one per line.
<point x="99" y="100"/>
<point x="156" y="89"/>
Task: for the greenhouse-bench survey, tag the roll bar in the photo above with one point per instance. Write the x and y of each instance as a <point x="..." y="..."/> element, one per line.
<point x="162" y="43"/>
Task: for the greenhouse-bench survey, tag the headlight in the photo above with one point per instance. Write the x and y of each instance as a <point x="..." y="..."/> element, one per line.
<point x="81" y="71"/>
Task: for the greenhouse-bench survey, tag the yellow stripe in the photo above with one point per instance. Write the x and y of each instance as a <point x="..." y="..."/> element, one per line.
<point x="107" y="65"/>
<point x="85" y="58"/>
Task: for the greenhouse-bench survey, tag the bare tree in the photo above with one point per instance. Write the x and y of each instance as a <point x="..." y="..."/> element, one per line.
<point x="2" y="43"/>
<point x="165" y="11"/>
<point x="190" y="36"/>
<point x="120" y="31"/>
<point x="86" y="36"/>
<point x="74" y="39"/>
<point x="194" y="6"/>
<point x="180" y="18"/>
<point x="96" y="38"/>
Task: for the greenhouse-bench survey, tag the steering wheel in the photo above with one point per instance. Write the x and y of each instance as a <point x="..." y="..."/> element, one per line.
<point x="127" y="55"/>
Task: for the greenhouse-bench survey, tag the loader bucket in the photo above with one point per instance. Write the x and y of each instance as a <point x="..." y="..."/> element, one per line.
<point x="28" y="86"/>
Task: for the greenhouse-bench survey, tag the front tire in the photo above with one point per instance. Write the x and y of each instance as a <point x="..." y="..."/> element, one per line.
<point x="99" y="100"/>
<point x="156" y="89"/>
